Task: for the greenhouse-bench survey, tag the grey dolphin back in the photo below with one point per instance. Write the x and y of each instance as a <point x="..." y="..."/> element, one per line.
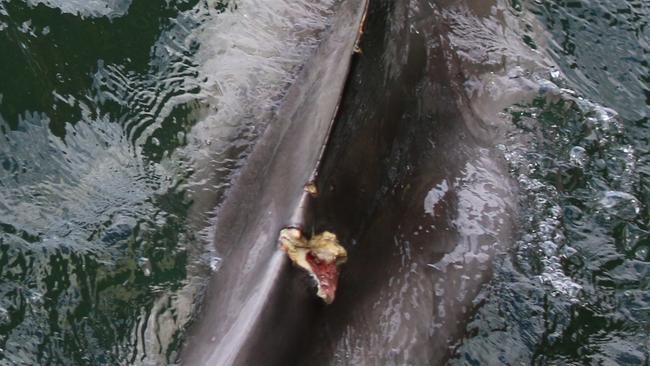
<point x="255" y="307"/>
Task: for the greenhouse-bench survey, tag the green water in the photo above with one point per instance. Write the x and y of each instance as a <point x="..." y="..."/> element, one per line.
<point x="92" y="230"/>
<point x="121" y="124"/>
<point x="575" y="289"/>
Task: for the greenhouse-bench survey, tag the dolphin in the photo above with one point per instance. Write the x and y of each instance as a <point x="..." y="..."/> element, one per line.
<point x="410" y="179"/>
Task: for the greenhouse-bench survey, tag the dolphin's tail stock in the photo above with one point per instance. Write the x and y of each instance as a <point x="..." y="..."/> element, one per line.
<point x="256" y="292"/>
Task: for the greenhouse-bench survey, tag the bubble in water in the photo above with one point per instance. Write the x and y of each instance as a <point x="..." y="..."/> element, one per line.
<point x="621" y="204"/>
<point x="145" y="265"/>
<point x="35" y="298"/>
<point x="549" y="248"/>
<point x="601" y="118"/>
<point x="600" y="164"/>
<point x="605" y="114"/>
<point x="578" y="156"/>
<point x="215" y="263"/>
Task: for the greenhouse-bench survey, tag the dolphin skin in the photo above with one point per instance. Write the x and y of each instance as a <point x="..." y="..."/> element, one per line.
<point x="414" y="181"/>
<point x="256" y="293"/>
<point x="410" y="181"/>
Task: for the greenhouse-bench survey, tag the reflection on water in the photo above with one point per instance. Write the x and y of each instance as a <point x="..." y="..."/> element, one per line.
<point x="87" y="8"/>
<point x="602" y="46"/>
<point x="575" y="288"/>
<point x="121" y="124"/>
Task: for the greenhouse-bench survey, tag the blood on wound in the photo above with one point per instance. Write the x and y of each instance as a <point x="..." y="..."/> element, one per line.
<point x="327" y="273"/>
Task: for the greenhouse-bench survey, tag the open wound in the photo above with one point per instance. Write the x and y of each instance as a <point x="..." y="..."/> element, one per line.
<point x="321" y="256"/>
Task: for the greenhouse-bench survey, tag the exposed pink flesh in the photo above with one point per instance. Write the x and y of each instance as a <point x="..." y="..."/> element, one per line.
<point x="327" y="274"/>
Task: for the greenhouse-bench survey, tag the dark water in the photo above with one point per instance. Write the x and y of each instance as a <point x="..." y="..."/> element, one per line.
<point x="122" y="122"/>
<point x="120" y="125"/>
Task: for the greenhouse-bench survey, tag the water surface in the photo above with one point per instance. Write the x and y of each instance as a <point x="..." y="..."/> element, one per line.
<point x="121" y="124"/>
<point x="574" y="288"/>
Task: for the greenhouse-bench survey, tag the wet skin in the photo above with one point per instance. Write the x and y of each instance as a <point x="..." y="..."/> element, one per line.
<point x="405" y="126"/>
<point x="256" y="291"/>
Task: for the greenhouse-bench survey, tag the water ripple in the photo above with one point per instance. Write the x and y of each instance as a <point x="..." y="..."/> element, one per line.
<point x="109" y="184"/>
